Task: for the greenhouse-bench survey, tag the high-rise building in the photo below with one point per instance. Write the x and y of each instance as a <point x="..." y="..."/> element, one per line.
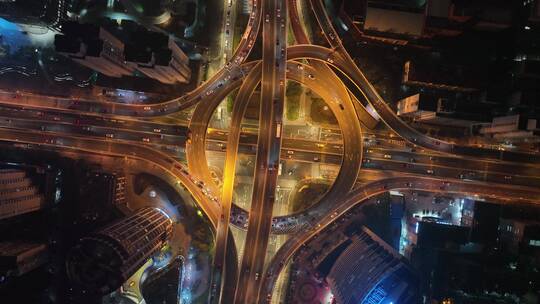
<point x="119" y="52"/>
<point x="484" y="229"/>
<point x="94" y="47"/>
<point x="103" y="261"/>
<point x="370" y="271"/>
<point x="157" y="56"/>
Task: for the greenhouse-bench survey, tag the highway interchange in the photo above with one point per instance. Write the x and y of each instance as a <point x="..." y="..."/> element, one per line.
<point x="420" y="163"/>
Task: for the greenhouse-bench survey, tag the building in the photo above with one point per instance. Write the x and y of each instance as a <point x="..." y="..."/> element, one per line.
<point x="455" y="269"/>
<point x="94" y="47"/>
<point x="18" y="193"/>
<point x="370" y="271"/>
<point x="443" y="111"/>
<point x="512" y="128"/>
<point x="467" y="212"/>
<point x="437" y="235"/>
<point x="103" y="261"/>
<point x="125" y="51"/>
<point x="397" y="211"/>
<point x="484" y="229"/>
<point x="394" y="19"/>
<point x="112" y="185"/>
<point x="157" y="56"/>
<point x="519" y="235"/>
<point x="18" y="258"/>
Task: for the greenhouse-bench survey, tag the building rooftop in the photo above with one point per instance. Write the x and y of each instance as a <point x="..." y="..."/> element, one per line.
<point x="144" y="46"/>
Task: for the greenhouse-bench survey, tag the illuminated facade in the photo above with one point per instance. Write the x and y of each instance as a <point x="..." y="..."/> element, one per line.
<point x="369" y="271"/>
<point x="103" y="261"/>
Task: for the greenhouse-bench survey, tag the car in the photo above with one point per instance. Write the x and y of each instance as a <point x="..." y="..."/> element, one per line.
<point x="300" y="67"/>
<point x="146" y="139"/>
<point x="310" y="76"/>
<point x="316" y="159"/>
<point x="109" y="135"/>
<point x="320" y="145"/>
<point x="157" y="130"/>
<point x="388" y="156"/>
<point x="56" y="118"/>
<point x="507" y="177"/>
<point x="290" y="152"/>
<point x="429" y="171"/>
<point x="267" y="18"/>
<point x="146" y="108"/>
<point x="257" y="276"/>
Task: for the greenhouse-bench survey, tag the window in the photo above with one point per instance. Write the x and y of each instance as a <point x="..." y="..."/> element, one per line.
<point x="535" y="243"/>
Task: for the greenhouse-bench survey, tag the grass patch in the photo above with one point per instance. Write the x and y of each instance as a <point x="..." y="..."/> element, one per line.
<point x="292" y="105"/>
<point x="306" y="194"/>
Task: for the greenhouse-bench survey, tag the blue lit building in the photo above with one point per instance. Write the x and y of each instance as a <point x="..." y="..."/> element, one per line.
<point x="369" y="271"/>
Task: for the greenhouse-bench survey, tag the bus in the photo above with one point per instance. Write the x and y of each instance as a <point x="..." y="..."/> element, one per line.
<point x="278" y="130"/>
